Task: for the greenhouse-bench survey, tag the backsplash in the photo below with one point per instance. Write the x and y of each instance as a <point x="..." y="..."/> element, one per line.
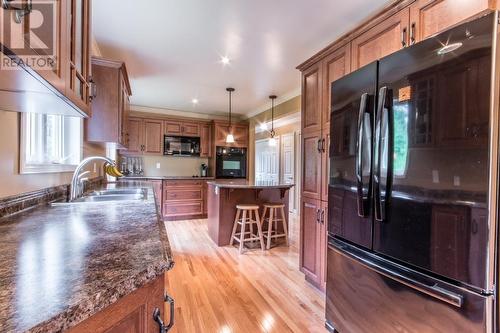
<point x="173" y="166"/>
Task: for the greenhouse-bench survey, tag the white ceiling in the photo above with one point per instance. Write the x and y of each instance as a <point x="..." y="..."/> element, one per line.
<point x="172" y="48"/>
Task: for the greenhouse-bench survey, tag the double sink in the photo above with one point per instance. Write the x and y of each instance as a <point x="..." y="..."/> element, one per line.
<point x="110" y="195"/>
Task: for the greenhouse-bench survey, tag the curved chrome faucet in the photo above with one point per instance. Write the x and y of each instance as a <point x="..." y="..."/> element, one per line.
<point x="76" y="187"/>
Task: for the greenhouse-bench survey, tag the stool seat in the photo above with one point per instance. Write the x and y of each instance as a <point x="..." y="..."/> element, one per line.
<point x="274" y="205"/>
<point x="247" y="207"/>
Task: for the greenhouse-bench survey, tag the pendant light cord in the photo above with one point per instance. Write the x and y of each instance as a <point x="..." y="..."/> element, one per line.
<point x="272" y="97"/>
<point x="230" y="109"/>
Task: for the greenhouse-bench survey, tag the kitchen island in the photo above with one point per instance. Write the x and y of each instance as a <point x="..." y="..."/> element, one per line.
<point x="84" y="267"/>
<point x="224" y="195"/>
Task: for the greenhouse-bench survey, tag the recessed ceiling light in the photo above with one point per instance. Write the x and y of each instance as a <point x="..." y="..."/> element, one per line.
<point x="224" y="60"/>
<point x="194" y="101"/>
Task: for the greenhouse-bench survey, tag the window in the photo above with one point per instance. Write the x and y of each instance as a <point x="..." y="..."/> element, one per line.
<point x="50" y="143"/>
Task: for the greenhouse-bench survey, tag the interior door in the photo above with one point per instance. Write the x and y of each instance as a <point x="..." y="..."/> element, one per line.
<point x="288" y="166"/>
<point x="431" y="156"/>
<point x="349" y="193"/>
<point x="266" y="161"/>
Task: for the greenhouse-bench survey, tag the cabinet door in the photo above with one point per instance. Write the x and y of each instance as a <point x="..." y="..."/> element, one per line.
<point x="190" y="129"/>
<point x="385" y="38"/>
<point x="220" y="134"/>
<point x="323" y="246"/>
<point x="77" y="87"/>
<point x="310" y="243"/>
<point x="173" y="128"/>
<point x="311" y="167"/>
<point x="134" y="135"/>
<point x="335" y="66"/>
<point x="57" y="75"/>
<point x="311" y="99"/>
<point x="429" y="17"/>
<point x="205" y="141"/>
<point x="325" y="165"/>
<point x="240" y="136"/>
<point x="153" y="137"/>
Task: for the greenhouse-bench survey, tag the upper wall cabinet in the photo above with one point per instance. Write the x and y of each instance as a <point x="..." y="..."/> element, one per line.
<point x="335" y="65"/>
<point x="428" y="17"/>
<point x="40" y="59"/>
<point x="311" y="99"/>
<point x="111" y="106"/>
<point x="385" y="38"/>
<point x="182" y="128"/>
<point x="78" y="87"/>
<point x="239" y="131"/>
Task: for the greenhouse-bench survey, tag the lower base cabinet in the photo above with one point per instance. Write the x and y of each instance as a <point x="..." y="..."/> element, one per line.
<point x="145" y="310"/>
<point x="313" y="242"/>
<point x="184" y="199"/>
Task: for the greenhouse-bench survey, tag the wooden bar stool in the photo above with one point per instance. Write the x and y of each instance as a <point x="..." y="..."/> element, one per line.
<point x="246" y="211"/>
<point x="272" y="222"/>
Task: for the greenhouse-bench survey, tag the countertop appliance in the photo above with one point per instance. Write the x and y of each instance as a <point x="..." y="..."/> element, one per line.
<point x="204" y="170"/>
<point x="181" y="146"/>
<point x="413" y="188"/>
<point x="231" y="162"/>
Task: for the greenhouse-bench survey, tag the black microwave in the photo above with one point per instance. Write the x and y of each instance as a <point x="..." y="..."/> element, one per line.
<point x="181" y="146"/>
<point x="231" y="162"/>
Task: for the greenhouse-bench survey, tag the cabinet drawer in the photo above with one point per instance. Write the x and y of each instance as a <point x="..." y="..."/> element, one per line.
<point x="181" y="194"/>
<point x="183" y="183"/>
<point x="179" y="209"/>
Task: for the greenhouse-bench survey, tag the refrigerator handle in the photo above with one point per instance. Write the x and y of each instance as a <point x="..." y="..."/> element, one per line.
<point x="362" y="201"/>
<point x="383" y="124"/>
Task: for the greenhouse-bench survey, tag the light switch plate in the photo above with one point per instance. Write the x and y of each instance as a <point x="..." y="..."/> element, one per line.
<point x="158" y="165"/>
<point x="435" y="176"/>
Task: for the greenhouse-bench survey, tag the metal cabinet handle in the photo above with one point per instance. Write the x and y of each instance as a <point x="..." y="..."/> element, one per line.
<point x="317" y="215"/>
<point x="323" y="145"/>
<point x="322" y="219"/>
<point x="412" y="33"/>
<point x="157" y="316"/>
<point x="403" y="37"/>
<point x="93" y="89"/>
<point x="319" y="146"/>
<point x="19" y="12"/>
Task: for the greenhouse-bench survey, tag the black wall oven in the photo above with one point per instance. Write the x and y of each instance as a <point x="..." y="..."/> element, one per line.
<point x="231" y="162"/>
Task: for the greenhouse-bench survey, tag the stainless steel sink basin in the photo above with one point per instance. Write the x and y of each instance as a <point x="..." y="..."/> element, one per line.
<point x="111" y="195"/>
<point x="122" y="191"/>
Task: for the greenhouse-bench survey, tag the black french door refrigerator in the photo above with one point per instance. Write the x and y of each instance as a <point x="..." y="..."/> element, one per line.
<point x="413" y="188"/>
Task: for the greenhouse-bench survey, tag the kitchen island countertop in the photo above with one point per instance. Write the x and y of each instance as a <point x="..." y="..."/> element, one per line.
<point x="61" y="265"/>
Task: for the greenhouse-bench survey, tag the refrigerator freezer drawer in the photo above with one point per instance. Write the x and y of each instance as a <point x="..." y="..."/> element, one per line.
<point x="368" y="294"/>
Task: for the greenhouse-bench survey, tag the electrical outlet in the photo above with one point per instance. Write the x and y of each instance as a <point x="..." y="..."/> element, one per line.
<point x="456" y="180"/>
<point x="158" y="165"/>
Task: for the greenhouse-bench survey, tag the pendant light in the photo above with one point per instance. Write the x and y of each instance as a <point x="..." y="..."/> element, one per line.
<point x="272" y="140"/>
<point x="230" y="137"/>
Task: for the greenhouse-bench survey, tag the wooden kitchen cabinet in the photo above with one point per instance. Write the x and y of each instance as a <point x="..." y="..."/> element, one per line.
<point x="132" y="313"/>
<point x="205" y="140"/>
<point x="335" y="65"/>
<point x="311" y="166"/>
<point x="184" y="199"/>
<point x="429" y="17"/>
<point x="311" y="99"/>
<point x="311" y="240"/>
<point x="385" y="38"/>
<point x="111" y="106"/>
<point x="79" y="77"/>
<point x="177" y="128"/>
<point x="239" y="130"/>
<point x="145" y="136"/>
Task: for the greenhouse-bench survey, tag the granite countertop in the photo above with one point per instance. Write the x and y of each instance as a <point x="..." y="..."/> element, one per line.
<point x="169" y="177"/>
<point x="61" y="265"/>
<point x="245" y="184"/>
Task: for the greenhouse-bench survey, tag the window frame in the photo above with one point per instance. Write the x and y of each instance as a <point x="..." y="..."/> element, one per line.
<point x="39" y="168"/>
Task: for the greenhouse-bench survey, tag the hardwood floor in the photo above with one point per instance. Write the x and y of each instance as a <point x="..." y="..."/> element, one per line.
<point x="217" y="290"/>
